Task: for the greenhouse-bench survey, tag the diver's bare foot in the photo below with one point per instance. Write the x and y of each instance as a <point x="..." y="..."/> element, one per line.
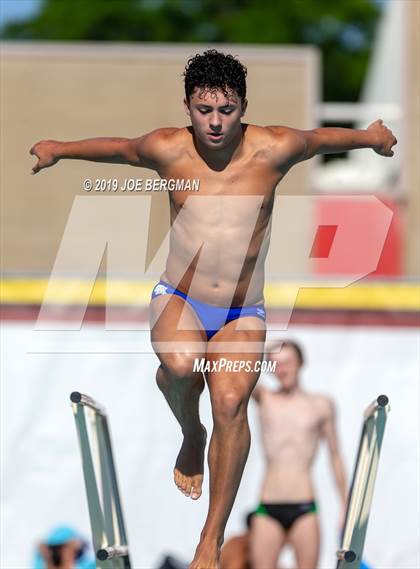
<point x="206" y="556"/>
<point x="189" y="466"/>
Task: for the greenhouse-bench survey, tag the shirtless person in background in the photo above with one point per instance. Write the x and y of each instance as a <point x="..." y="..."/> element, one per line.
<point x="210" y="286"/>
<point x="293" y="422"/>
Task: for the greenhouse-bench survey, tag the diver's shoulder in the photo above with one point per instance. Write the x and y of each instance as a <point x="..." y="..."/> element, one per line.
<point x="170" y="143"/>
<point x="259" y="132"/>
<point x="268" y="138"/>
<point x="167" y="134"/>
<point x="178" y="138"/>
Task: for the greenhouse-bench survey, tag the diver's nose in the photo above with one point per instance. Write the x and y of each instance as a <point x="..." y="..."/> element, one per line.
<point x="215" y="122"/>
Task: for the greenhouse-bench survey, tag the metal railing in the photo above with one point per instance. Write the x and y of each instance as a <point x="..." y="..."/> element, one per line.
<point x="105" y="511"/>
<point x="361" y="491"/>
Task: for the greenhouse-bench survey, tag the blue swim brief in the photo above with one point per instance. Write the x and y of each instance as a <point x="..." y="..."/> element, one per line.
<point x="212" y="317"/>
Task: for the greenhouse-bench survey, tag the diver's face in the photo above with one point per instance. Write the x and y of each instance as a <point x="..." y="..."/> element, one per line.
<point x="215" y="117"/>
<point x="287" y="367"/>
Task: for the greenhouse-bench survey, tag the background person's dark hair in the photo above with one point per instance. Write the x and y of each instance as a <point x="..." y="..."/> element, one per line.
<point x="280" y="344"/>
<point x="214" y="70"/>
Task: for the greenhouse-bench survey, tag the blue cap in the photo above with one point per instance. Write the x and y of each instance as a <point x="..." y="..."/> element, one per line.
<point x="61" y="534"/>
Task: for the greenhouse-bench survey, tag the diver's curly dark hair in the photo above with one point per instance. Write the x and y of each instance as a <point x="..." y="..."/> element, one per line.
<point x="214" y="70"/>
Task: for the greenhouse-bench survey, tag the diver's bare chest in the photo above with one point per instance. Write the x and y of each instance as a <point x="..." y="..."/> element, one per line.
<point x="244" y="179"/>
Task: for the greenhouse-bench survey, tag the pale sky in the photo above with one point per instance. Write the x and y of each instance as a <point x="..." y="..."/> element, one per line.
<point x="17" y="9"/>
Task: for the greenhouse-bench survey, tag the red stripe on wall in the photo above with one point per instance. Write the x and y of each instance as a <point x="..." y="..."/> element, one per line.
<point x="96" y="314"/>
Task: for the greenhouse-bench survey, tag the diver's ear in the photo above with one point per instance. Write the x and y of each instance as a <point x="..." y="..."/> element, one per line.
<point x="187" y="107"/>
<point x="244" y="106"/>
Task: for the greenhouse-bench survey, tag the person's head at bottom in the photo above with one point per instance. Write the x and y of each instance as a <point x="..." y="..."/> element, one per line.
<point x="63" y="548"/>
<point x="235" y="552"/>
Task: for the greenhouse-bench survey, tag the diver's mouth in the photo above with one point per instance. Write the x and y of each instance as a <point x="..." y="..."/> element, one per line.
<point x="215" y="136"/>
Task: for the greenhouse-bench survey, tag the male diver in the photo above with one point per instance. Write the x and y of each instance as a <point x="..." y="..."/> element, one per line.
<point x="211" y="293"/>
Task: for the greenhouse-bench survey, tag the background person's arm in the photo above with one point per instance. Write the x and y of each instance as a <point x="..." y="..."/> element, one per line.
<point x="329" y="432"/>
<point x="143" y="151"/>
<point x="256" y="393"/>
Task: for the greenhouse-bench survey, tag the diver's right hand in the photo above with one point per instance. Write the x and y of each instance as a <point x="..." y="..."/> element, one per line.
<point x="47" y="153"/>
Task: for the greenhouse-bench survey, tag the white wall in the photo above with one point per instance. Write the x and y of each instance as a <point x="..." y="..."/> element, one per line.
<point x="42" y="476"/>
